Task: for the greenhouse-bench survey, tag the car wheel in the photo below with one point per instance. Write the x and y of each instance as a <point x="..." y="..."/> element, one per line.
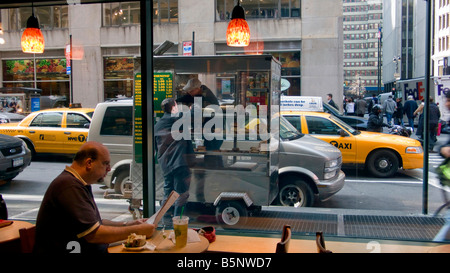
<point x="123" y="183"/>
<point x="231" y="214"/>
<point x="296" y="193"/>
<point x="383" y="164"/>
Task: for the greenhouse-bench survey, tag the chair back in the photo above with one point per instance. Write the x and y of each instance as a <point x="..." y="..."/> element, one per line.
<point x="27" y="239"/>
<point x="283" y="245"/>
<point x="320" y="242"/>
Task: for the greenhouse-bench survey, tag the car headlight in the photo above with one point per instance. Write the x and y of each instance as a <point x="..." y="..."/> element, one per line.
<point x="414" y="150"/>
<point x="331" y="168"/>
<point x="332" y="163"/>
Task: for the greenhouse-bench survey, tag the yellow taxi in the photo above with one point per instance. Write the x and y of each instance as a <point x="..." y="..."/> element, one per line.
<point x="381" y="154"/>
<point x="55" y="131"/>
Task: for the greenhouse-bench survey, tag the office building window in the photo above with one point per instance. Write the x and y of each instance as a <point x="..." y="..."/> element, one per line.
<point x="165" y="11"/>
<point x="269" y="9"/>
<point x="121" y="13"/>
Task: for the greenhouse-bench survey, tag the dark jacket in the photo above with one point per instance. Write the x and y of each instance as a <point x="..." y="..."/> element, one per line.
<point x="409" y="108"/>
<point x="375" y="123"/>
<point x="332" y="103"/>
<point x="171" y="154"/>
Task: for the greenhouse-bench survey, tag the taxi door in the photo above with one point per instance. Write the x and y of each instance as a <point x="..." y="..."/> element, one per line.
<point x="329" y="131"/>
<point x="46" y="132"/>
<point x="76" y="131"/>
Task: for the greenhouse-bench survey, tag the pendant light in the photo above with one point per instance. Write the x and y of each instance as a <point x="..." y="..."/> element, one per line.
<point x="32" y="38"/>
<point x="238" y="32"/>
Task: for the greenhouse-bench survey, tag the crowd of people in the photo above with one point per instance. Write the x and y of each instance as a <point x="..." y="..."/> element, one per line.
<point x="395" y="110"/>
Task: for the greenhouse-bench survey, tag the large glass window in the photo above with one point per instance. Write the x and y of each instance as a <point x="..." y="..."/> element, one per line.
<point x="267" y="9"/>
<point x="48" y="74"/>
<point x="121" y="13"/>
<point x="49" y="17"/>
<point x="118" y="77"/>
<point x="165" y="11"/>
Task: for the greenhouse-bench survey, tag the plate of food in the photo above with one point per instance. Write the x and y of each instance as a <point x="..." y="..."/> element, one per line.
<point x="135" y="242"/>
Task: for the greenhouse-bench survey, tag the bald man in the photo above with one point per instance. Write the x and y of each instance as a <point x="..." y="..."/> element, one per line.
<point x="69" y="215"/>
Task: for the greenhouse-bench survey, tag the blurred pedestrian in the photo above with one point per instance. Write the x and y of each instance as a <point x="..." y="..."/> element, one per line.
<point x="360" y="107"/>
<point x="389" y="107"/>
<point x="408" y="109"/>
<point x="331" y="101"/>
<point x="350" y="107"/>
<point x="398" y="114"/>
<point x="444" y="151"/>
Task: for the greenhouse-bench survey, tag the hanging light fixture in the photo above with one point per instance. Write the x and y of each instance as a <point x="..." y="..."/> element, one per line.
<point x="238" y="32"/>
<point x="32" y="38"/>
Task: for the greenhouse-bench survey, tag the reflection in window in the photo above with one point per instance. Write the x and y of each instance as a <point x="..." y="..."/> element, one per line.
<point x="118" y="76"/>
<point x="321" y="126"/>
<point x="47" y="120"/>
<point x="75" y="120"/>
<point x="117" y="121"/>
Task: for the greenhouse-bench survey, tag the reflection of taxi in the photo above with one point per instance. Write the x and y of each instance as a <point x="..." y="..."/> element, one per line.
<point x="381" y="154"/>
<point x="58" y="130"/>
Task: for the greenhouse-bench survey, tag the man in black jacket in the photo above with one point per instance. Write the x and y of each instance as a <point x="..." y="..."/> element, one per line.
<point x="174" y="156"/>
<point x="375" y="122"/>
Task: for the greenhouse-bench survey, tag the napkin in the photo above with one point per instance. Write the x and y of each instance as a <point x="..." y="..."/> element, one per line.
<point x="192" y="236"/>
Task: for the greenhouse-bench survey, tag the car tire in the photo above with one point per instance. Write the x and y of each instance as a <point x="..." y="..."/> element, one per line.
<point x="123" y="183"/>
<point x="296" y="193"/>
<point x="383" y="164"/>
<point x="231" y="214"/>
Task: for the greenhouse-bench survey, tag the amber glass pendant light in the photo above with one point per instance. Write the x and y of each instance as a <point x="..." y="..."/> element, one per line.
<point x="238" y="32"/>
<point x="32" y="38"/>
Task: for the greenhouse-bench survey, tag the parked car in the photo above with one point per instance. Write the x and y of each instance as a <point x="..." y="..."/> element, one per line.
<point x="359" y="123"/>
<point x="309" y="169"/>
<point x="381" y="154"/>
<point x="54" y="131"/>
<point x="14" y="157"/>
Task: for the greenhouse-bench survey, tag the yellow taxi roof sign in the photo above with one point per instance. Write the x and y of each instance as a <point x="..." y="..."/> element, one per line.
<point x="301" y="103"/>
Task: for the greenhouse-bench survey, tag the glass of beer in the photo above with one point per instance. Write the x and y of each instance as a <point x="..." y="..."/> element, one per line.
<point x="180" y="228"/>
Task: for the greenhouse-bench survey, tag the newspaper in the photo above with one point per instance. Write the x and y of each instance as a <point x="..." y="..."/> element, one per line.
<point x="155" y="218"/>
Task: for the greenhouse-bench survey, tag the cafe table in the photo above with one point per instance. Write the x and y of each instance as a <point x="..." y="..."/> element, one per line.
<point x="10" y="238"/>
<point x="163" y="245"/>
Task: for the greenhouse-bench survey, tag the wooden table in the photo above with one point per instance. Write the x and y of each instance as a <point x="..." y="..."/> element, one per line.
<point x="440" y="249"/>
<point x="165" y="246"/>
<point x="10" y="238"/>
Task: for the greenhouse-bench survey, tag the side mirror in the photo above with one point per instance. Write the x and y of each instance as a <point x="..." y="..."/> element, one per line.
<point x="342" y="133"/>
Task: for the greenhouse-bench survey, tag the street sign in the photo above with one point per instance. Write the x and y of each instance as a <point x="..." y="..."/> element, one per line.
<point x="187" y="48"/>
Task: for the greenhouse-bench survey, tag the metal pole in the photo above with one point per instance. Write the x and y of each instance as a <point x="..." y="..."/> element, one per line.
<point x="71" y="71"/>
<point x="148" y="174"/>
<point x="426" y="124"/>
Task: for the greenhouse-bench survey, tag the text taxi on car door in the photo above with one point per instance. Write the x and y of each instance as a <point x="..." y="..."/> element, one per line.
<point x="381" y="154"/>
<point x="53" y="131"/>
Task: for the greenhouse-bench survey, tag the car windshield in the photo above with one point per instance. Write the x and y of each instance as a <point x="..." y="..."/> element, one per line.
<point x="288" y="131"/>
<point x="330" y="109"/>
<point x="345" y="125"/>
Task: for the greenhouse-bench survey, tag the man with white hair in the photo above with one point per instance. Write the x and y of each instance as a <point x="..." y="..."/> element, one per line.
<point x="409" y="108"/>
<point x="195" y="88"/>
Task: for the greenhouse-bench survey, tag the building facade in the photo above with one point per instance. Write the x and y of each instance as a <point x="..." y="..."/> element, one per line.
<point x="303" y="36"/>
<point x="363" y="21"/>
<point x="404" y="46"/>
